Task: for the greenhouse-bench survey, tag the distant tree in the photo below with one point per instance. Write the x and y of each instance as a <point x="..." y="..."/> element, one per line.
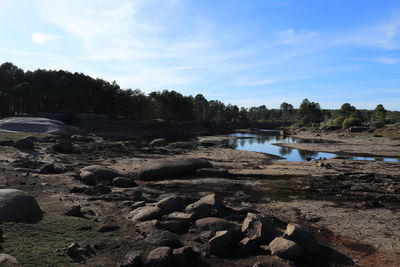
<point x="379" y="113"/>
<point x="346" y="110"/>
<point x="243" y="115"/>
<point x="200" y="107"/>
<point x="310" y="112"/>
<point x="287" y="111"/>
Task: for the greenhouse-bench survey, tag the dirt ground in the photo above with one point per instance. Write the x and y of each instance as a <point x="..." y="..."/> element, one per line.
<point x="351" y="206"/>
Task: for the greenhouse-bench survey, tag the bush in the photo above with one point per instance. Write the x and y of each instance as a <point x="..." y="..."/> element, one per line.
<point x="338" y="121"/>
<point x="377" y="124"/>
<point x="349" y="122"/>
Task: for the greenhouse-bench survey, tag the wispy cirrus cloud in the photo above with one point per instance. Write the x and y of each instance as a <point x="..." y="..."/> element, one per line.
<point x="382" y="60"/>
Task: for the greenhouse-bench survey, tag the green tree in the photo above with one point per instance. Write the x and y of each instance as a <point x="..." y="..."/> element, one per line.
<point x="379" y="113"/>
<point x="346" y="110"/>
<point x="310" y="112"/>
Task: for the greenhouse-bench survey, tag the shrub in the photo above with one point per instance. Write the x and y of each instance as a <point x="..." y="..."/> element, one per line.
<point x="338" y="121"/>
<point x="377" y="124"/>
<point x="349" y="122"/>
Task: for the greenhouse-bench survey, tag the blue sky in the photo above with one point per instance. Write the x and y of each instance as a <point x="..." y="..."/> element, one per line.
<point x="244" y="52"/>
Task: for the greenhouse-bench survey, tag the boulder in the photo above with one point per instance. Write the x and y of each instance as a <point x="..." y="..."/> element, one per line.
<point x="205" y="207"/>
<point x="258" y="228"/>
<point x="173" y="226"/>
<point x="123" y="182"/>
<point x="212" y="172"/>
<point x="179" y="216"/>
<point x="64" y="147"/>
<point x="17" y="205"/>
<point x="285" y="248"/>
<point x="222" y="242"/>
<point x="51" y="169"/>
<point x="247" y="245"/>
<point x="160" y="257"/>
<point x="171" y="204"/>
<point x="74" y="211"/>
<point x="6" y="143"/>
<point x="301" y="236"/>
<point x="170" y="168"/>
<point x="7" y="260"/>
<point x="163" y="238"/>
<point x="96" y="173"/>
<point x="24" y="144"/>
<point x="159" y="142"/>
<point x="183" y="256"/>
<point x="146" y="213"/>
<point x="132" y="259"/>
<point x="216" y="224"/>
<point x="99" y="189"/>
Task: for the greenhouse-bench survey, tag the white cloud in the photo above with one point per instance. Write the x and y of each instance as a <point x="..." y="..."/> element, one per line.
<point x="39" y="38"/>
<point x="244" y="82"/>
<point x="291" y="36"/>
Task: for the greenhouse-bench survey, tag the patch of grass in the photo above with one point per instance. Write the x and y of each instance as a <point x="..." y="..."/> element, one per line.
<point x="17" y="135"/>
<point x="45" y="243"/>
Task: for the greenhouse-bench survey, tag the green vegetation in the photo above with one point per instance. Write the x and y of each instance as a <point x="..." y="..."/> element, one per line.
<point x="50" y="91"/>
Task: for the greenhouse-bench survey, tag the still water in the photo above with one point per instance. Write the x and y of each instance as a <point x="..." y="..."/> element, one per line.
<point x="265" y="140"/>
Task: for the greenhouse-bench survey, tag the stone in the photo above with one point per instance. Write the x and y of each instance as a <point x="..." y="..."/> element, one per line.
<point x="163" y="238"/>
<point x="222" y="242"/>
<point x="285" y="248"/>
<point x="73" y="251"/>
<point x="160" y="257"/>
<point x="50" y="169"/>
<point x="7" y="260"/>
<point x="24" y="144"/>
<point x="212" y="172"/>
<point x="159" y="142"/>
<point x="74" y="211"/>
<point x="17" y="205"/>
<point x="205" y="207"/>
<point x="301" y="236"/>
<point x="98" y="190"/>
<point x="247" y="245"/>
<point x="6" y="143"/>
<point x="88" y="178"/>
<point x="258" y="228"/>
<point x="171" y="204"/>
<point x="123" y="182"/>
<point x="64" y="147"/>
<point x="107" y="228"/>
<point x="216" y="224"/>
<point x="99" y="173"/>
<point x="179" y="216"/>
<point x="170" y="168"/>
<point x="132" y="259"/>
<point x="273" y="261"/>
<point x="183" y="256"/>
<point x="173" y="226"/>
<point x="146" y="213"/>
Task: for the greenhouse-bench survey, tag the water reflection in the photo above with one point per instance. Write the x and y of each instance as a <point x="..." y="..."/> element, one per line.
<point x="263" y="142"/>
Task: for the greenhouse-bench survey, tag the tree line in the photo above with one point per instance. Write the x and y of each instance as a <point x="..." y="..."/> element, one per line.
<point x="61" y="91"/>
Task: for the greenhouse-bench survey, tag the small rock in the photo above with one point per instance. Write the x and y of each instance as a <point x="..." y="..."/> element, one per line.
<point x="173" y="226"/>
<point x="160" y="257"/>
<point x="24" y="144"/>
<point x="123" y="182"/>
<point x="182" y="256"/>
<point x="171" y="204"/>
<point x="285" y="248"/>
<point x="222" y="242"/>
<point x="132" y="259"/>
<point x="98" y="190"/>
<point x="205" y="207"/>
<point x="74" y="211"/>
<point x="258" y="228"/>
<point x="179" y="216"/>
<point x="64" y="147"/>
<point x="74" y="251"/>
<point x="146" y="213"/>
<point x="163" y="238"/>
<point x="247" y="245"/>
<point x="301" y="236"/>
<point x="7" y="260"/>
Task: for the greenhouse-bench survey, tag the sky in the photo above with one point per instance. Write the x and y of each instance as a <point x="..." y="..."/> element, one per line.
<point x="243" y="52"/>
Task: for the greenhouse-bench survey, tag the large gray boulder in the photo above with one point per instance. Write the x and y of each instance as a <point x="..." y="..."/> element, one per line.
<point x="222" y="242"/>
<point x="146" y="213"/>
<point x="301" y="236"/>
<point x="93" y="174"/>
<point x="17" y="205"/>
<point x="160" y="257"/>
<point x="170" y="168"/>
<point x="205" y="207"/>
<point x="259" y="228"/>
<point x="163" y="238"/>
<point x="24" y="144"/>
<point x="216" y="224"/>
<point x="285" y="248"/>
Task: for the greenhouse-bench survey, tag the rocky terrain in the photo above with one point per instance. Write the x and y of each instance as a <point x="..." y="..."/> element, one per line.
<point x="123" y="195"/>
